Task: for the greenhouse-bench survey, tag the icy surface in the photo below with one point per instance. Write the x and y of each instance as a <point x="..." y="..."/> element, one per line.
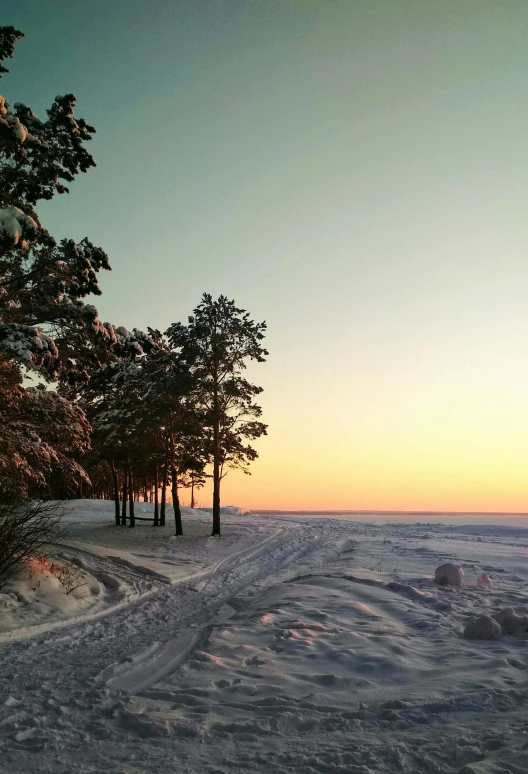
<point x="288" y="645"/>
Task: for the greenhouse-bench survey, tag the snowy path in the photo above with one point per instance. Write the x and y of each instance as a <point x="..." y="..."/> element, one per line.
<point x="53" y="687"/>
<point x="316" y="646"/>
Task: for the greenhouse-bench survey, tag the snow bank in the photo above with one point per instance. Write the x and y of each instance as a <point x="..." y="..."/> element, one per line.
<point x="38" y="594"/>
<point x="116" y="565"/>
<point x="103" y="510"/>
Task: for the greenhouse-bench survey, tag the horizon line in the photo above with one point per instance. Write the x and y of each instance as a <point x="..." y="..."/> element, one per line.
<point x="392" y="513"/>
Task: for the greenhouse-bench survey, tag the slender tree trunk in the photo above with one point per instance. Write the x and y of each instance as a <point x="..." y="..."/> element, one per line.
<point x="192" y="490"/>
<point x="176" y="503"/>
<point x="125" y="490"/>
<point x="175" y="497"/>
<point x="131" y="497"/>
<point x="156" y="507"/>
<point x="216" y="467"/>
<point x="164" y="493"/>
<point x="216" y="497"/>
<point x="116" y="494"/>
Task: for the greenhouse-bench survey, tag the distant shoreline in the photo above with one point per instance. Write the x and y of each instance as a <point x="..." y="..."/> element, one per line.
<point x="389" y="513"/>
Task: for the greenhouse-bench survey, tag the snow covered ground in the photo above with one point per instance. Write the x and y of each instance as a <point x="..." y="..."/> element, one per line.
<point x="288" y="645"/>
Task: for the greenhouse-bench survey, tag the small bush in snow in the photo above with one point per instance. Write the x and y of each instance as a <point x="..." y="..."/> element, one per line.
<point x="26" y="529"/>
<point x="69" y="575"/>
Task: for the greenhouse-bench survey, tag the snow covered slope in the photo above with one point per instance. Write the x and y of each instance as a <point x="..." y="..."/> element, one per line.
<point x="115" y="566"/>
<point x="303" y="646"/>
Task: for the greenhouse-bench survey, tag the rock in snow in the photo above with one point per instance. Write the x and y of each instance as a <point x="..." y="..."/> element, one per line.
<point x="510" y="622"/>
<point x="484" y="581"/>
<point x="483" y="628"/>
<point x="449" y="574"/>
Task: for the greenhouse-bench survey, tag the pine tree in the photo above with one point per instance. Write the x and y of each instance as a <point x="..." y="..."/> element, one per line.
<point x="46" y="329"/>
<point x="193" y="475"/>
<point x="216" y="344"/>
<point x="41" y="440"/>
<point x="143" y="419"/>
<point x="111" y="403"/>
<point x="170" y="411"/>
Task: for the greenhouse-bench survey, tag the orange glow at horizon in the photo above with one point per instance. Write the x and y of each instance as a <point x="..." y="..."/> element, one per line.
<point x="377" y="485"/>
<point x="442" y="444"/>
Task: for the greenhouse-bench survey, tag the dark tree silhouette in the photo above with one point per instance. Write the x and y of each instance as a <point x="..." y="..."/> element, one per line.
<point x="216" y="344"/>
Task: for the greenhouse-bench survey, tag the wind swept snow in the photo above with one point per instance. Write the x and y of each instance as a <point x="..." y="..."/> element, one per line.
<point x="317" y="646"/>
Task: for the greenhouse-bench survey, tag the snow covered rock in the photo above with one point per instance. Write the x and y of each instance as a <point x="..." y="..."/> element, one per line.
<point x="484" y="581"/>
<point x="449" y="574"/>
<point x="512" y="623"/>
<point x="230" y="510"/>
<point x="235" y="510"/>
<point x="483" y="628"/>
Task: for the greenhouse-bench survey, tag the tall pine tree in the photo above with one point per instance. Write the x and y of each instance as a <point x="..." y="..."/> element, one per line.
<point x="46" y="328"/>
<point x="216" y="345"/>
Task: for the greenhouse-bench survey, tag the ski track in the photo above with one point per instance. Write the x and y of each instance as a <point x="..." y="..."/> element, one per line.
<point x="108" y="693"/>
<point x="50" y="685"/>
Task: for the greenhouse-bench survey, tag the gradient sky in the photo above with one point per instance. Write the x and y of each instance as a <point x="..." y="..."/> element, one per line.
<point x="355" y="172"/>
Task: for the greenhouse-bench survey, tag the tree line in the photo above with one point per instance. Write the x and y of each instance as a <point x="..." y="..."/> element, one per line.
<point x="87" y="406"/>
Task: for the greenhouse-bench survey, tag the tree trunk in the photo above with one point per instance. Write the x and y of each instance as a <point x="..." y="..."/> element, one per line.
<point x="164" y="493"/>
<point x="175" y="497"/>
<point x="116" y="495"/>
<point x="192" y="489"/>
<point x="216" y="472"/>
<point x="131" y="498"/>
<point x="216" y="498"/>
<point x="125" y="489"/>
<point x="176" y="503"/>
<point x="156" y="507"/>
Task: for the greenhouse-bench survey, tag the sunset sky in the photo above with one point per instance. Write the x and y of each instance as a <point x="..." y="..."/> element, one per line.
<point x="354" y="172"/>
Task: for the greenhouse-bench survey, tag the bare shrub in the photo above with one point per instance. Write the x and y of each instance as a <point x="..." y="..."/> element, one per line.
<point x="70" y="578"/>
<point x="27" y="528"/>
<point x="69" y="575"/>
